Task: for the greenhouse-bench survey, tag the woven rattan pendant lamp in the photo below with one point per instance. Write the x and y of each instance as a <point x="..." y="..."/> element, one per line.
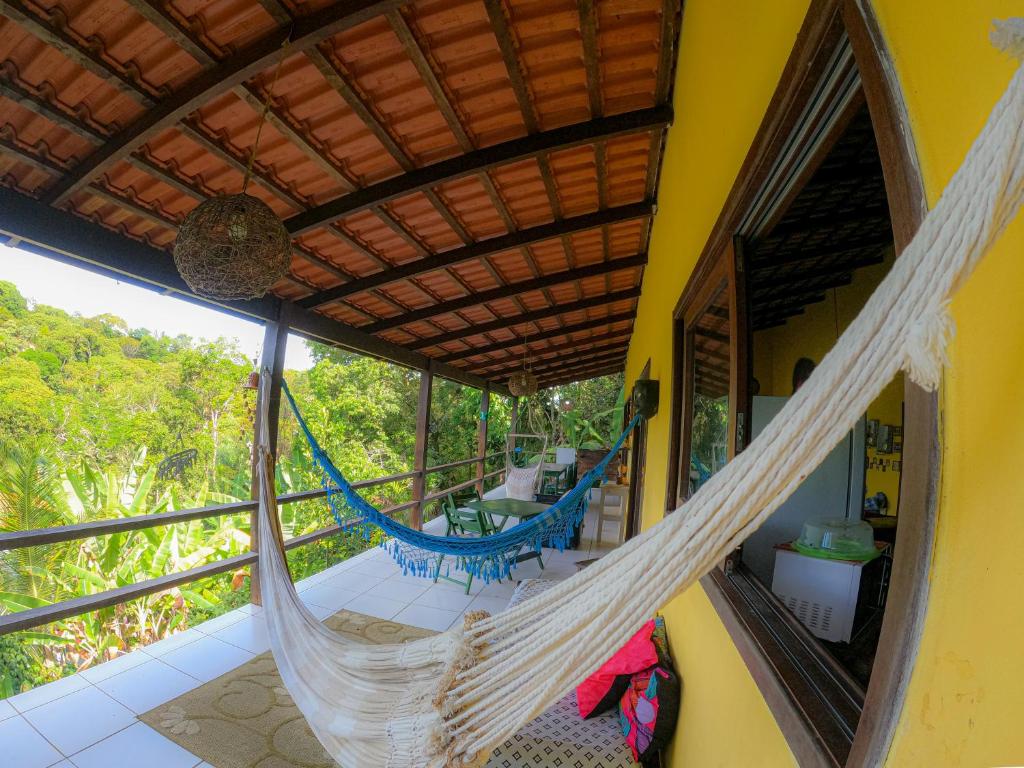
<point x="234" y="246"/>
<point x="523" y="383"/>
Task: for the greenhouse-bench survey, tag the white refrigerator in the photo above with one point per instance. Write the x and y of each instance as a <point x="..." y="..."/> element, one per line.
<point x="834" y="489"/>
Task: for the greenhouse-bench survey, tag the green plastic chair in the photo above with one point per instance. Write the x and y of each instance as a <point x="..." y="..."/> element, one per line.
<point x="462" y="522"/>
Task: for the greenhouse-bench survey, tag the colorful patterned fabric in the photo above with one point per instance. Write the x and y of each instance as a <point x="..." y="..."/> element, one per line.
<point x="602" y="690"/>
<point x="650" y="706"/>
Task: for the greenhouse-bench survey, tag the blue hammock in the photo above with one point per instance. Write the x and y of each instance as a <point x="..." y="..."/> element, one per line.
<point x="487" y="557"/>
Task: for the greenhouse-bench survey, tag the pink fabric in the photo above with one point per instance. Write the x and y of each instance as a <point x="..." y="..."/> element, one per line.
<point x="605" y="687"/>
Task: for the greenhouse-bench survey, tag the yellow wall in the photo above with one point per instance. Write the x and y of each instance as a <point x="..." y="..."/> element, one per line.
<point x="967" y="692"/>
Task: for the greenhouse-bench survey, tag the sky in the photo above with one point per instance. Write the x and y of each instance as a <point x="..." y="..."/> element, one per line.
<point x="76" y="290"/>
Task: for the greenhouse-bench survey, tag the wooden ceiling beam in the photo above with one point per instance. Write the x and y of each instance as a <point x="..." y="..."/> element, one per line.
<point x="512" y="289"/>
<point x="628" y="294"/>
<point x="561" y="366"/>
<point x="556" y="381"/>
<point x="473" y="163"/>
<point x="597" y="341"/>
<point x="813" y="224"/>
<point x="852" y="247"/>
<point x="305" y="32"/>
<point x="479" y="250"/>
<point x="576" y="366"/>
<point x="761" y="285"/>
<point x="586" y="325"/>
<point x="811" y="296"/>
<point x="538" y="363"/>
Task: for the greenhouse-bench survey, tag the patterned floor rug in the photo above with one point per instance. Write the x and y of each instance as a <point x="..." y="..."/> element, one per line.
<point x="246" y="719"/>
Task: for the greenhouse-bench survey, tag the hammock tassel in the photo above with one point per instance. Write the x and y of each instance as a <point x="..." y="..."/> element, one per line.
<point x="926" y="344"/>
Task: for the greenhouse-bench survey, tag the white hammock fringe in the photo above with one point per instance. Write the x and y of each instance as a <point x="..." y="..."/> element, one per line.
<point x="448" y="700"/>
<point x="926" y="345"/>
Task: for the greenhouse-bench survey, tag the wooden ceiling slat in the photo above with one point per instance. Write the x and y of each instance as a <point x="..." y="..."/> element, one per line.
<point x="430" y="79"/>
<point x="539" y="364"/>
<point x="586" y="325"/>
<point x="585" y="375"/>
<point x="498" y="202"/>
<point x="38" y="105"/>
<point x="479" y="250"/>
<point x="310" y="146"/>
<point x="526" y="286"/>
<point x="479" y="160"/>
<point x="621" y="335"/>
<point x="499" y="23"/>
<point x="339" y="82"/>
<point x="246" y="63"/>
<point x="555" y="367"/>
<point x="591" y="59"/>
<point x="544" y="163"/>
<point x="36" y="159"/>
<point x="540" y="314"/>
<point x="61" y="39"/>
<point x="762" y="285"/>
<point x="828" y="252"/>
<point x="197" y="133"/>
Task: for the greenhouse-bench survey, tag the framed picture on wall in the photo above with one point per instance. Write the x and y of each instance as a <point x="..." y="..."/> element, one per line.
<point x="871" y="433"/>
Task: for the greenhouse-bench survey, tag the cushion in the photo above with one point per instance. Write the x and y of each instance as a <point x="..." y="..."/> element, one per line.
<point x="649" y="708"/>
<point x="520" y="482"/>
<point x="602" y="690"/>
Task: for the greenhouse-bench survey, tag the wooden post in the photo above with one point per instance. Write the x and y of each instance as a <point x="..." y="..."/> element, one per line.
<point x="275" y="341"/>
<point x="481" y="437"/>
<point x="419" y="483"/>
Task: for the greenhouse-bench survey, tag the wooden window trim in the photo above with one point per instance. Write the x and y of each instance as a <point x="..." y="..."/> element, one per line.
<point x="747" y="609"/>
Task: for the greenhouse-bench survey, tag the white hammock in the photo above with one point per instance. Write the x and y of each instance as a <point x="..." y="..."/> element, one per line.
<point x="450" y="699"/>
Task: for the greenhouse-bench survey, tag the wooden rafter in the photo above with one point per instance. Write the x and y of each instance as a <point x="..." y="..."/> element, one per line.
<point x="506" y="43"/>
<point x="478" y="161"/>
<point x="537" y="364"/>
<point x="591" y="59"/>
<point x="586" y="325"/>
<point x="540" y="314"/>
<point x="558" y="381"/>
<point x="230" y="72"/>
<point x="850" y="248"/>
<point x="479" y="250"/>
<point x="512" y="355"/>
<point x="512" y="289"/>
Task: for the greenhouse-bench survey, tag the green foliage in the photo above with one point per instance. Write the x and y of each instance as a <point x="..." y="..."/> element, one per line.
<point x="90" y="409"/>
<point x="584" y="414"/>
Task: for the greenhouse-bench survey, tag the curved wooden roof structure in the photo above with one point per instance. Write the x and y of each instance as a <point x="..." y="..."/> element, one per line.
<point x="461" y="177"/>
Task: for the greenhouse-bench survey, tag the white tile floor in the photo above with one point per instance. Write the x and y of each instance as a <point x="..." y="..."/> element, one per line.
<point x="89" y="720"/>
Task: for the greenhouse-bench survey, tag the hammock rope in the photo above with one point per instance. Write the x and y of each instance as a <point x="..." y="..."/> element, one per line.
<point x="448" y="700"/>
<point x="416" y="551"/>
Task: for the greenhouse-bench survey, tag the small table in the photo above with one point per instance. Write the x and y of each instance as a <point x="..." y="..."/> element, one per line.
<point x="506" y="508"/>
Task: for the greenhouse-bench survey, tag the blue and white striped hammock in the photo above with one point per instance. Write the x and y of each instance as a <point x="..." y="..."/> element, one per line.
<point x="486" y="557"/>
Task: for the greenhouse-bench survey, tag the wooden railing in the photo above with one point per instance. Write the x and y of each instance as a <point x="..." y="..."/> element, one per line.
<point x="35" y="617"/>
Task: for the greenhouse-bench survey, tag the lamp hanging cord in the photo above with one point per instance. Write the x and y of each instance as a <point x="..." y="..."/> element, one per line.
<point x="266" y="109"/>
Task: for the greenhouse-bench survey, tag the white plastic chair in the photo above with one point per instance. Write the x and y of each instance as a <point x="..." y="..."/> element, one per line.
<point x="612" y="508"/>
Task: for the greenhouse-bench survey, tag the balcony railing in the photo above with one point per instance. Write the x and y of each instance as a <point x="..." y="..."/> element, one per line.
<point x="35" y="617"/>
